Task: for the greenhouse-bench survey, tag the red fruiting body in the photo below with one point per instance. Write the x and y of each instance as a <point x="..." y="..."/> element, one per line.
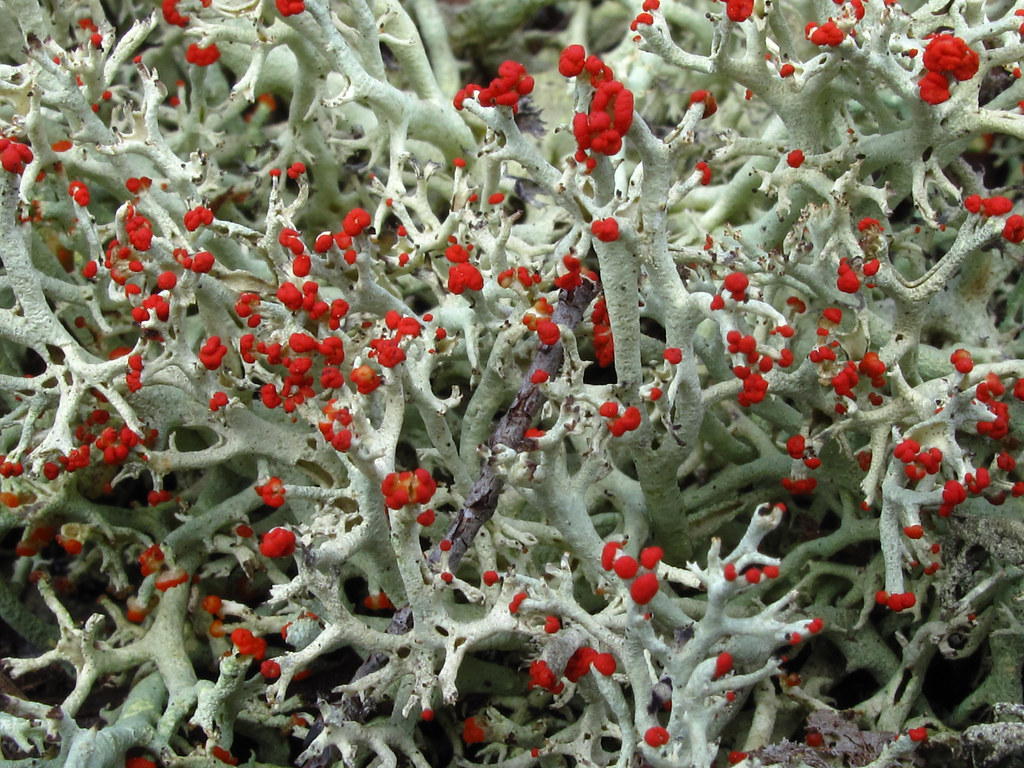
<point x="872" y="367"/>
<point x="847" y="281"/>
<point x="723" y="664"/>
<point x="901" y="602"/>
<point x="365" y="379"/>
<point x="656" y="736"/>
<point x="79" y="193"/>
<point x="650" y="556"/>
<point x="202" y="57"/>
<point x="196" y="217"/>
<point x="541" y="676"/>
<point x="290" y="7"/>
<point x="202" y="262"/>
<point x="795" y="446"/>
<point x="949" y="54"/>
<point x="14" y="155"/>
<point x="641" y="19"/>
<point x="996" y="206"/>
<point x="212" y="352"/>
<point x="355" y="222"/>
<point x="166" y="281"/>
<point x="247" y="644"/>
<point x="604" y="663"/>
<point x="604" y="344"/>
<point x="135" y="611"/>
<point x="456" y="254"/>
<point x="548" y="332"/>
<point x="517" y="600"/>
<point x="608" y="554"/>
<point x="644" y="588"/>
<point x="705" y="174"/>
<point x="827" y="34"/>
<point x="472" y="733"/>
<point x="943" y="56"/>
<point x="404" y="488"/>
<point x="739" y="10"/>
<point x="736" y="283"/>
<point x="707" y="99"/>
<point x="605" y="230"/>
<point x="272" y="491"/>
<point x="754" y="389"/>
<point x="933" y="88"/>
<point x="151" y="560"/>
<point x="833" y="315"/>
<point x="625" y="567"/>
<point x="462" y="277"/>
<point x="1013" y="230"/>
<point x="961" y="360"/>
<point x="71" y="546"/>
<point x="212" y="604"/>
<point x="627" y="422"/>
<point x="570" y="63"/>
<point x="906" y="451"/>
<point x="277" y="542"/>
<point x="171" y="578"/>
<point x="378" y="601"/>
<point x="224" y="756"/>
<point x="579" y="663"/>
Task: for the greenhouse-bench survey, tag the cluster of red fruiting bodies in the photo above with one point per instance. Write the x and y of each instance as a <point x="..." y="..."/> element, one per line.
<point x="642" y="588"/>
<point x="1013" y="229"/>
<point x="601" y="129"/>
<point x="505" y="90"/>
<point x="96" y="436"/>
<point x="945" y="56"/>
<point x="920" y="462"/>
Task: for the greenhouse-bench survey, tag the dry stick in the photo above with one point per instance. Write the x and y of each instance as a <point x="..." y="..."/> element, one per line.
<point x="482" y="498"/>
